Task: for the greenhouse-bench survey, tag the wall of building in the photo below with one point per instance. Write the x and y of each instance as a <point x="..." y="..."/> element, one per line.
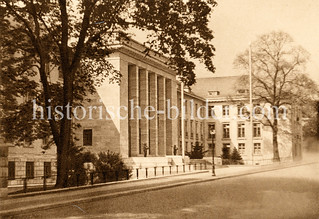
<point x="194" y="122"/>
<point x="32" y="153"/>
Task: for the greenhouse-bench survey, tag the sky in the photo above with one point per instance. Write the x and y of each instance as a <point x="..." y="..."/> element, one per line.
<point x="235" y="23"/>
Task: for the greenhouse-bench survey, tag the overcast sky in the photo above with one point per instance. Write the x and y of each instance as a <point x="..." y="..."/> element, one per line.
<point x="237" y="22"/>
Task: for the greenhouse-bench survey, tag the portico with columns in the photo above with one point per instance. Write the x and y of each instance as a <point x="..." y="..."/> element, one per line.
<point x="146" y="86"/>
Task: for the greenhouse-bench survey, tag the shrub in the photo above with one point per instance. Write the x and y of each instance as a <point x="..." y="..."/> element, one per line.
<point x="196" y="152"/>
<point x="110" y="167"/>
<point x="77" y="172"/>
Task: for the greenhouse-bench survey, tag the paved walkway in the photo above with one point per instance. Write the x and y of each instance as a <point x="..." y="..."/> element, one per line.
<point x="17" y="204"/>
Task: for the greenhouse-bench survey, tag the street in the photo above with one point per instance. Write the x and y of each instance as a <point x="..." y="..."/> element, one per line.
<point x="286" y="193"/>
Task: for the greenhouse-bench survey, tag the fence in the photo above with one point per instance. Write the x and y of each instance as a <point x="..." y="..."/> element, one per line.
<point x="92" y="178"/>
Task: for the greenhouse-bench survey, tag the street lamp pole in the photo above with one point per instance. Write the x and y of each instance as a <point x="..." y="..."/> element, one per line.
<point x="212" y="133"/>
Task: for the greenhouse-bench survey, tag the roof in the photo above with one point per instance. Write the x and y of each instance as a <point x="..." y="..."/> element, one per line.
<point x="218" y="88"/>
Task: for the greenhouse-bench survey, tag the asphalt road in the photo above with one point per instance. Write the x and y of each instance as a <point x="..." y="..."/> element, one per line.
<point x="286" y="193"/>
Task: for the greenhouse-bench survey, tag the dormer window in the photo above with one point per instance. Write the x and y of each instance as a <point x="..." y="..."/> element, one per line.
<point x="242" y="91"/>
<point x="213" y="93"/>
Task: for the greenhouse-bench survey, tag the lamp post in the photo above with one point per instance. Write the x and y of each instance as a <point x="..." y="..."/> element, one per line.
<point x="212" y="133"/>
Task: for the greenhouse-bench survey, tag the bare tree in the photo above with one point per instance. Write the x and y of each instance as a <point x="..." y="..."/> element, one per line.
<point x="279" y="78"/>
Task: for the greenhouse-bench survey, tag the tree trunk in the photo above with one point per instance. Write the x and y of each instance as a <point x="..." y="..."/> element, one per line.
<point x="276" y="157"/>
<point x="62" y="168"/>
<point x="65" y="132"/>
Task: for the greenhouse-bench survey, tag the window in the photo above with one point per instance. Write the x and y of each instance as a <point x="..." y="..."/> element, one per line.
<point x="257" y="148"/>
<point x="87" y="137"/>
<point x="225" y="110"/>
<point x="186" y="132"/>
<point x="241" y="109"/>
<point x="213" y="93"/>
<point x="29" y="170"/>
<point x="241" y="148"/>
<point x="192" y="130"/>
<point x="185" y="106"/>
<point x="257" y="110"/>
<point x="242" y="91"/>
<point x="201" y="131"/>
<point x="211" y="111"/>
<point x="11" y="170"/>
<point x="211" y="130"/>
<point x="241" y="130"/>
<point x="226" y="130"/>
<point x="47" y="169"/>
<point x="196" y="108"/>
<point x="180" y="126"/>
<point x="257" y="130"/>
<point x="226" y="150"/>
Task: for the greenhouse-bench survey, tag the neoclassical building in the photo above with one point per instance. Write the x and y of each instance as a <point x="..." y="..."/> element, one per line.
<point x="140" y="118"/>
<point x="135" y="112"/>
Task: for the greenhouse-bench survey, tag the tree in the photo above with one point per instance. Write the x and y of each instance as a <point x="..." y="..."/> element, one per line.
<point x="236" y="157"/>
<point x="279" y="78"/>
<point x="197" y="151"/>
<point x="73" y="36"/>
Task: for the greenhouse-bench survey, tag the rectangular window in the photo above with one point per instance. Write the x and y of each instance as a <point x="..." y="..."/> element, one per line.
<point x="196" y="108"/>
<point x="192" y="130"/>
<point x="226" y="130"/>
<point x="186" y="132"/>
<point x="201" y="131"/>
<point x="257" y="130"/>
<point x="257" y="148"/>
<point x="196" y="130"/>
<point x="185" y="106"/>
<point x="240" y="108"/>
<point x="180" y="127"/>
<point x="11" y="170"/>
<point x="225" y="110"/>
<point x="241" y="148"/>
<point x="29" y="170"/>
<point x="211" y="131"/>
<point x="211" y="111"/>
<point x="241" y="130"/>
<point x="257" y="109"/>
<point x="87" y="137"/>
<point x="47" y="169"/>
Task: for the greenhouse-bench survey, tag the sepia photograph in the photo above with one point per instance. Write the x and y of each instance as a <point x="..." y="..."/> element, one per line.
<point x="159" y="109"/>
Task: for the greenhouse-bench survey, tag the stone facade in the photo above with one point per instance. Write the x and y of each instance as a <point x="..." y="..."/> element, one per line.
<point x="147" y="85"/>
<point x="33" y="156"/>
<point x="138" y="119"/>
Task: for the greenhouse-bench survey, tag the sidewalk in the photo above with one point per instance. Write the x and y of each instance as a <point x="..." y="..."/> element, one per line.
<point x="18" y="204"/>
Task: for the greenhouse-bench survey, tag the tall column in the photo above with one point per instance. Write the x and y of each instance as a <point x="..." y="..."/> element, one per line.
<point x="133" y="93"/>
<point x="153" y="114"/>
<point x="161" y="116"/>
<point x="169" y="140"/>
<point x="143" y="94"/>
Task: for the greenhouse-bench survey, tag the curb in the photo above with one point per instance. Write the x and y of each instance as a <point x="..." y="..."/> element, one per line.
<point x="100" y="185"/>
<point x="18" y="211"/>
